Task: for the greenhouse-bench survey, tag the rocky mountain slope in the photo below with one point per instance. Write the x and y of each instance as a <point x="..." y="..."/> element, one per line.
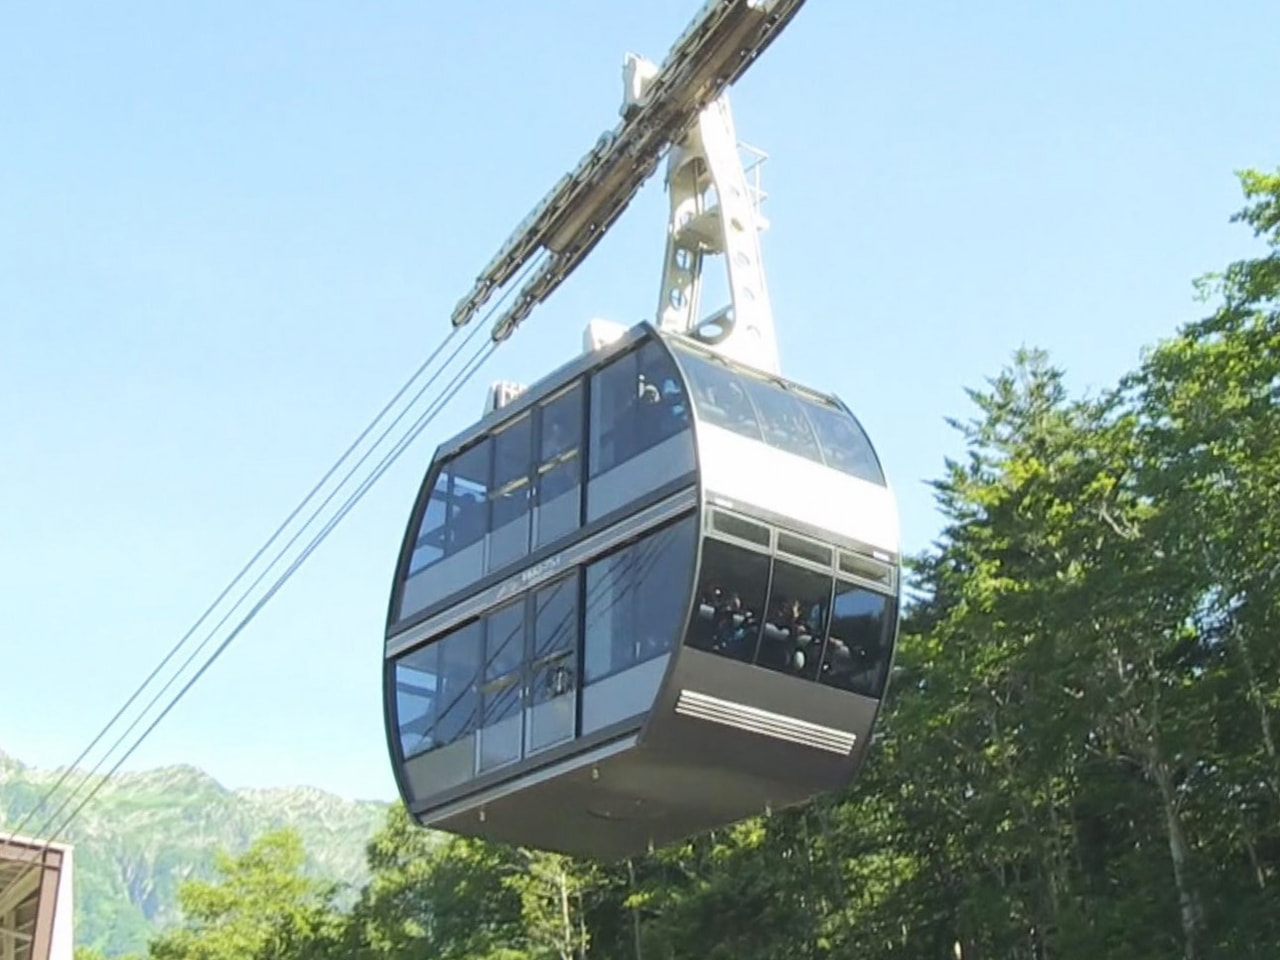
<point x="145" y="833"/>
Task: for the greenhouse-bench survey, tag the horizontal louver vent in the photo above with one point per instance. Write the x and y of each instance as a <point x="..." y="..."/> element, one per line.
<point x="714" y="710"/>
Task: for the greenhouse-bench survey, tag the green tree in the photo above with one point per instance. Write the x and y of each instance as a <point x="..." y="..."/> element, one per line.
<point x="260" y="905"/>
<point x="436" y="896"/>
<point x="1079" y="753"/>
<point x="1209" y="407"/>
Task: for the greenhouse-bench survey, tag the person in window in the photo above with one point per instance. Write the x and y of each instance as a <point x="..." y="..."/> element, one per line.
<point x="649" y="413"/>
<point x="792" y="639"/>
<point x="469" y="524"/>
<point x="555" y="439"/>
<point x="733" y="627"/>
<point x="648" y="391"/>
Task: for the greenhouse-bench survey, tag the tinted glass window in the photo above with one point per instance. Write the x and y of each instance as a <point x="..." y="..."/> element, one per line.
<point x="858" y="649"/>
<point x="799" y="600"/>
<point x="844" y="446"/>
<point x="512" y="449"/>
<point x="614" y="399"/>
<point x="554" y="677"/>
<point x="455" y="515"/>
<point x="504" y="642"/>
<point x="720" y="396"/>
<point x="502" y="686"/>
<point x="468" y="498"/>
<point x="417" y="682"/>
<point x="458" y="698"/>
<point x="782" y="419"/>
<point x="634" y="600"/>
<point x="560" y="466"/>
<point x="509" y="522"/>
<point x="636" y="403"/>
<point x="433" y="531"/>
<point x="730" y="600"/>
<point x="555" y="618"/>
<point x="663" y="410"/>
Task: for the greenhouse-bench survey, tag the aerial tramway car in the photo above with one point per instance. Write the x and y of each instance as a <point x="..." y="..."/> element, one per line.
<point x="657" y="591"/>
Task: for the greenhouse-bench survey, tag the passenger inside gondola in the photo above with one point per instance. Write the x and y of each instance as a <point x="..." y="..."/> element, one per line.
<point x="469" y="521"/>
<point x="857" y="653"/>
<point x="661" y="411"/>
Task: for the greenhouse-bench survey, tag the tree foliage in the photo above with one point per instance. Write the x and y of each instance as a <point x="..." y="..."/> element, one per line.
<point x="1079" y="755"/>
<point x="260" y="905"/>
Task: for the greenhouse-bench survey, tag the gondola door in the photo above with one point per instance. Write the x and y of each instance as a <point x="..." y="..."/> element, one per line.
<point x="551" y="699"/>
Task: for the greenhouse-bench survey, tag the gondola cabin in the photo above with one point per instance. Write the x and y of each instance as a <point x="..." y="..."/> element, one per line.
<point x="655" y="593"/>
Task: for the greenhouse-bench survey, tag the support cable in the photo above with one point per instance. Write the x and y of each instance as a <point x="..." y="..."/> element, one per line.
<point x="243" y="572"/>
<point x="460" y="379"/>
<point x="471" y="366"/>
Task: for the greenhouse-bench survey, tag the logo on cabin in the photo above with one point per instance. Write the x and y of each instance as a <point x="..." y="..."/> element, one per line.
<point x="525" y="578"/>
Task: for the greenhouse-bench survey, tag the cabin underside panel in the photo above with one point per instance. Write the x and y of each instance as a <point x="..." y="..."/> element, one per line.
<point x="695" y="770"/>
<point x="624" y="805"/>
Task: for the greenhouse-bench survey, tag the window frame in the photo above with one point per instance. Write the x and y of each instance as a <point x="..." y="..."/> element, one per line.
<point x="891" y="616"/>
<point x="672" y="528"/>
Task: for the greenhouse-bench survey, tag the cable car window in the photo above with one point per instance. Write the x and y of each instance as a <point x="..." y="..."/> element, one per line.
<point x="638" y="410"/>
<point x="555" y="618"/>
<point x="614" y="399"/>
<point x="553" y="673"/>
<point x="451" y="533"/>
<point x="720" y="396"/>
<point x="799" y="600"/>
<point x="636" y="403"/>
<point x="804" y="548"/>
<point x="504" y="642"/>
<point x="502" y="688"/>
<point x="782" y="419"/>
<point x="857" y="655"/>
<point x="468" y="498"/>
<point x="740" y="527"/>
<point x="663" y="410"/>
<point x="457" y="698"/>
<point x="560" y="466"/>
<point x="730" y="600"/>
<point x="433" y="531"/>
<point x="844" y="445"/>
<point x="632" y="609"/>
<point x="509" y="523"/>
<point x="417" y="681"/>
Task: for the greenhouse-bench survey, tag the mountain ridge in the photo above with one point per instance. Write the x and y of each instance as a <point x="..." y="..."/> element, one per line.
<point x="147" y="831"/>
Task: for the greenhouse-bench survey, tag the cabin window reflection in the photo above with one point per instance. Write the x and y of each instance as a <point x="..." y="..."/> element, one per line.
<point x="613" y="405"/>
<point x="845" y="446"/>
<point x="468" y="498"/>
<point x="553" y="665"/>
<point x="417" y="683"/>
<point x="457" y="698"/>
<point x="634" y="601"/>
<point x="640" y="437"/>
<point x="451" y="534"/>
<point x="433" y="531"/>
<point x="730" y="601"/>
<point x="799" y="600"/>
<point x="509" y="522"/>
<point x="859" y="645"/>
<point x="454" y="517"/>
<point x="782" y="419"/>
<point x="559" y="491"/>
<point x="636" y="402"/>
<point x="501" y="689"/>
<point x="720" y="395"/>
<point x="662" y="410"/>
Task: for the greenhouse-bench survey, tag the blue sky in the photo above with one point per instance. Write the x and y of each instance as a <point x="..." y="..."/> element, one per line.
<point x="229" y="231"/>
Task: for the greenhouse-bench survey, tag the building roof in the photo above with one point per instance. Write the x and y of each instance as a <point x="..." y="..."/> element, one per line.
<point x="31" y="893"/>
